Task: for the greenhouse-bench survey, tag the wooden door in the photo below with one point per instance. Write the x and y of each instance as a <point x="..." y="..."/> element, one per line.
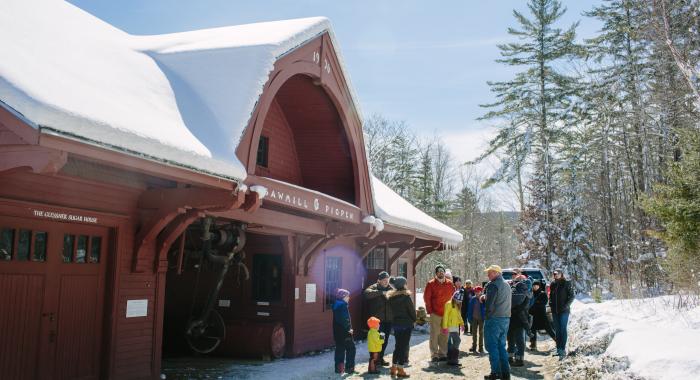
<point x="51" y="298"/>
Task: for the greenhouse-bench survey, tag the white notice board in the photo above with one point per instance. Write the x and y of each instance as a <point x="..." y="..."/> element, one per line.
<point x="136" y="308"/>
<point x="310" y="293"/>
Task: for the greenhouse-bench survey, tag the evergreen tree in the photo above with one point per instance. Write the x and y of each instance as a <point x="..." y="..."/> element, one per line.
<point x="537" y="103"/>
<point x="424" y="189"/>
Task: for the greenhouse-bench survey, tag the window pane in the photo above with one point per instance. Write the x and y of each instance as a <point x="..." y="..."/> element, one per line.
<point x="39" y="246"/>
<point x="95" y="249"/>
<point x="7" y="240"/>
<point x="81" y="250"/>
<point x="375" y="259"/>
<point x="25" y="239"/>
<point x="263" y="149"/>
<point x="68" y="243"/>
<point x="403" y="270"/>
<point x="334" y="266"/>
<point x="267" y="277"/>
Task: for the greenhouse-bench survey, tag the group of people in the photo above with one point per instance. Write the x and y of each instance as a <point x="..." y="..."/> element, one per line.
<point x="499" y="313"/>
<point x="391" y="310"/>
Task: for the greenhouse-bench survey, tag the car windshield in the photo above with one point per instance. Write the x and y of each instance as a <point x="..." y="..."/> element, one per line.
<point x="507" y="275"/>
<point x="533" y="274"/>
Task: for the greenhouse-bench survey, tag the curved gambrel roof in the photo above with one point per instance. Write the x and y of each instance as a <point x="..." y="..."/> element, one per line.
<point x="184" y="99"/>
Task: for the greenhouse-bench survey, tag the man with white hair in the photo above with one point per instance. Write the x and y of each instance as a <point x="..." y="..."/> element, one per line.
<point x="498" y="304"/>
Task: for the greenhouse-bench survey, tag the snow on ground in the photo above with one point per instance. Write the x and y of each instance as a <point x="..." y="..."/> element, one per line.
<point x="640" y="338"/>
<point x="318" y="366"/>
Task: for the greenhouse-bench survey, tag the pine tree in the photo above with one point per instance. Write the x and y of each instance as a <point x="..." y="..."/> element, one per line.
<point x="537" y="104"/>
<point x="538" y="232"/>
<point x="424" y="189"/>
<point x="575" y="247"/>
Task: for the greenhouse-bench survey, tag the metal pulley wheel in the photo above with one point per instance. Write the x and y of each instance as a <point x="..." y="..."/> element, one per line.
<point x="204" y="336"/>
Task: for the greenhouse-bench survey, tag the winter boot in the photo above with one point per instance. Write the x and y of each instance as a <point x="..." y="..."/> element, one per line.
<point x="400" y="372"/>
<point x="453" y="357"/>
<point x="505" y="376"/>
<point x="517" y="362"/>
<point x="492" y="376"/>
<point x="393" y="370"/>
<point x="473" y="349"/>
<point x="340" y="368"/>
<point x="533" y="345"/>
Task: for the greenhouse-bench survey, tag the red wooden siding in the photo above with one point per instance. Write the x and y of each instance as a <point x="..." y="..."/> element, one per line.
<point x="23" y="295"/>
<point x="282" y="158"/>
<point x="69" y="192"/>
<point x="321" y="144"/>
<point x="313" y="322"/>
<point x="8" y="137"/>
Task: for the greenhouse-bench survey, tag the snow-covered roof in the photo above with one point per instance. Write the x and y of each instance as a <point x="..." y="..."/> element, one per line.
<point x="181" y="98"/>
<point x="394" y="209"/>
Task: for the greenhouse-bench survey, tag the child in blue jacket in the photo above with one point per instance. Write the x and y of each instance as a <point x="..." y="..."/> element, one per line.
<point x="342" y="334"/>
<point x="476" y="314"/>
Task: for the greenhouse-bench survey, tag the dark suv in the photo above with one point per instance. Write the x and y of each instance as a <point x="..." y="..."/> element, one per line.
<point x="534" y="274"/>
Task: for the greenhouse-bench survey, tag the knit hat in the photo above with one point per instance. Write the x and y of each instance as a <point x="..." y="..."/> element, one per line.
<point x="383" y="275"/>
<point x="341" y="293"/>
<point x="457" y="296"/>
<point x="478" y="289"/>
<point x="373" y="322"/>
<point x="468" y="282"/>
<point x="400" y="282"/>
<point x="438" y="267"/>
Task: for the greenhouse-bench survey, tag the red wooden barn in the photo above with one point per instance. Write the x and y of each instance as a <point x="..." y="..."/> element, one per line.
<point x="134" y="169"/>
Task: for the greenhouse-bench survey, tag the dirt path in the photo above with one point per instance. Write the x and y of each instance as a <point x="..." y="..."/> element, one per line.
<point x="538" y="365"/>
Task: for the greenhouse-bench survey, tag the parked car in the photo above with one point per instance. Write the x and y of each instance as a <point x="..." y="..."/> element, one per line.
<point x="534" y="274"/>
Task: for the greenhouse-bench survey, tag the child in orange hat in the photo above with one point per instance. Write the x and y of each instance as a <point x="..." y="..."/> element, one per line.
<point x="375" y="340"/>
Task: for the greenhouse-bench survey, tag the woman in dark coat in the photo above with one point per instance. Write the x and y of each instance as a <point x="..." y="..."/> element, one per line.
<point x="538" y="310"/>
<point x="403" y="313"/>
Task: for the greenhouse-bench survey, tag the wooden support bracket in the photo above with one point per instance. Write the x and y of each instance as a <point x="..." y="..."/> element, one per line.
<point x="425" y="251"/>
<point x="170" y="204"/>
<point x="252" y="202"/>
<point x="170" y="234"/>
<point x="334" y="230"/>
<point x="403" y="247"/>
<point x="383" y="238"/>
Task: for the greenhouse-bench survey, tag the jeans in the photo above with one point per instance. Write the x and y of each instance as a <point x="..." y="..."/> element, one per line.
<point x="384" y="327"/>
<point x="561" y="323"/>
<point x="402" y="334"/>
<point x="495" y="331"/>
<point x="345" y="349"/>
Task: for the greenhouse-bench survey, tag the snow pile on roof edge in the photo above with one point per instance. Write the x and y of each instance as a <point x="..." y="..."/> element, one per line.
<point x="394" y="209"/>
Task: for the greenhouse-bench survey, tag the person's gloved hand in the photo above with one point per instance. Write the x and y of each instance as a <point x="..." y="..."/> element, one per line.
<point x="382" y="335"/>
<point x="444" y="331"/>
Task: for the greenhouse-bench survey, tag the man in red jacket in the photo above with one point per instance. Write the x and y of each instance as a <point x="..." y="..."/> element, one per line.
<point x="438" y="291"/>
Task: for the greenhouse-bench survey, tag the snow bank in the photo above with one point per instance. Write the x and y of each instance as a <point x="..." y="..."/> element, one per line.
<point x="393" y="209"/>
<point x="646" y="337"/>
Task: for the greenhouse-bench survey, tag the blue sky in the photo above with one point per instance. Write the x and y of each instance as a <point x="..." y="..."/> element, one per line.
<point x="425" y="62"/>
